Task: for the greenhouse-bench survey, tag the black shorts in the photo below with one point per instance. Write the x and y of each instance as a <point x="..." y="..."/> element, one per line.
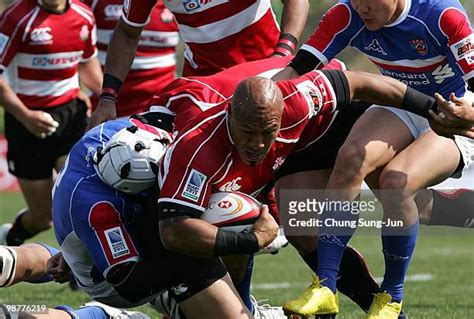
<point x="322" y="154"/>
<point x="183" y="276"/>
<point x="34" y="158"/>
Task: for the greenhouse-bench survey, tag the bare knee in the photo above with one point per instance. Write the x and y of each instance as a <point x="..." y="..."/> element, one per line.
<point x="351" y="163"/>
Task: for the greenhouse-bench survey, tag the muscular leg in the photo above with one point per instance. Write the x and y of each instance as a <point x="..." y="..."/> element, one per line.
<point x="219" y="300"/>
<point x="37" y="216"/>
<point x="370" y="145"/>
<point x="427" y="161"/>
<point x="355" y="280"/>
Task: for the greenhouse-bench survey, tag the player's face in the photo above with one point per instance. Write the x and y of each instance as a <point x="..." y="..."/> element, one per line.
<point x="54" y="5"/>
<point x="378" y="13"/>
<point x="253" y="138"/>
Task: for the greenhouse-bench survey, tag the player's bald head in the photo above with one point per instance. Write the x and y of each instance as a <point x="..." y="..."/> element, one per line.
<point x="257" y="99"/>
<point x="255" y="116"/>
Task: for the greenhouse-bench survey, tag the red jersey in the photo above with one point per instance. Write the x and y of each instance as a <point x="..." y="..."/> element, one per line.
<point x="187" y="98"/>
<point x="203" y="159"/>
<point x="154" y="65"/>
<point x="218" y="33"/>
<point x="41" y="50"/>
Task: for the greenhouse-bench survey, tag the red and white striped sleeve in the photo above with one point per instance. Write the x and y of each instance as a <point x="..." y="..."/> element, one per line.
<point x="12" y="23"/>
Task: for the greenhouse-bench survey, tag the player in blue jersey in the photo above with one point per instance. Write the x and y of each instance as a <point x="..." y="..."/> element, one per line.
<point x="108" y="232"/>
<point x="429" y="46"/>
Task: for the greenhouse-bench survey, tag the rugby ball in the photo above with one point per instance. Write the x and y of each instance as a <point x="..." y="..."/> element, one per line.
<point x="236" y="212"/>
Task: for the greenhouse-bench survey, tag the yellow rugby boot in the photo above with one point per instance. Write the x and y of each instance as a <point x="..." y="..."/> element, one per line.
<point x="316" y="300"/>
<point x="383" y="308"/>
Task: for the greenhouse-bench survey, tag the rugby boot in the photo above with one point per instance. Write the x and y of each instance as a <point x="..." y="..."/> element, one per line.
<point x="316" y="300"/>
<point x="383" y="308"/>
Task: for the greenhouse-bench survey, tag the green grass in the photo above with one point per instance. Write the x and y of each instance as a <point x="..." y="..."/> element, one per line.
<point x="448" y="259"/>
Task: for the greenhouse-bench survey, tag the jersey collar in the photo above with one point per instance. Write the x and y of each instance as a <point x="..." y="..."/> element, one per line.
<point x="403" y="15"/>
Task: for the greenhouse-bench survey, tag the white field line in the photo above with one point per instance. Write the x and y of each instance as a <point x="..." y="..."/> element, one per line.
<point x="286" y="285"/>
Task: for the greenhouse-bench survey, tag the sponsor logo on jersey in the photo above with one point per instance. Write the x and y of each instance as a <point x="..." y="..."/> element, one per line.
<point x="442" y="73"/>
<point x="231" y="186"/>
<point x="375" y="46"/>
<point x="45" y="61"/>
<point x="420" y="46"/>
<point x="463" y="47"/>
<point x="191" y="5"/>
<point x="40" y="36"/>
<point x="193" y="187"/>
<point x="3" y="42"/>
<point x="278" y="163"/>
<point x="84" y="33"/>
<point x="112" y="11"/>
<point x="313" y="95"/>
<point x="116" y="242"/>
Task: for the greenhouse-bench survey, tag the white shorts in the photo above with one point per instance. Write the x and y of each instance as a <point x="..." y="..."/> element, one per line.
<point x="419" y="125"/>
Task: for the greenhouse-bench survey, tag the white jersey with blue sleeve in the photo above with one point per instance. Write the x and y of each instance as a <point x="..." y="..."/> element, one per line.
<point x="430" y="47"/>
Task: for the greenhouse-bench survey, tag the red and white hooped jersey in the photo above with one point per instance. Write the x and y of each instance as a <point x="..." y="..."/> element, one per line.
<point x="203" y="158"/>
<point x="154" y="65"/>
<point x="40" y="51"/>
<point x="218" y="33"/>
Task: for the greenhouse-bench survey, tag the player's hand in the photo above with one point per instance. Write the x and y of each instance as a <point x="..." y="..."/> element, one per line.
<point x="39" y="123"/>
<point x="456" y="113"/>
<point x="58" y="268"/>
<point x="87" y="101"/>
<point x="449" y="131"/>
<point x="265" y="228"/>
<point x="105" y="111"/>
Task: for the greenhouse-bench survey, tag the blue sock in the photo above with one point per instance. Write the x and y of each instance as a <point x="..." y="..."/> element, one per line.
<point x="338" y="228"/>
<point x="398" y="249"/>
<point x="92" y="312"/>
<point x="243" y="287"/>
<point x="47" y="278"/>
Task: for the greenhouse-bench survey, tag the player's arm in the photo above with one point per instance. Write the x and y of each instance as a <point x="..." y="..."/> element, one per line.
<point x="331" y="36"/>
<point x="378" y="89"/>
<point x="39" y="123"/>
<point x="293" y="21"/>
<point x="120" y="55"/>
<point x="90" y="74"/>
<point x="191" y="236"/>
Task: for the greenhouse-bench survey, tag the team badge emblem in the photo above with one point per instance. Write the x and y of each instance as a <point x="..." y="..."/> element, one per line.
<point x="84" y="34"/>
<point x="420" y="46"/>
<point x="166" y="16"/>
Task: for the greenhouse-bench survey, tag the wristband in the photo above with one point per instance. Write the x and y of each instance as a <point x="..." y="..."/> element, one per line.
<point x="305" y="62"/>
<point x="108" y="94"/>
<point x="112" y="82"/>
<point x="229" y="243"/>
<point x="286" y="45"/>
<point x="418" y="103"/>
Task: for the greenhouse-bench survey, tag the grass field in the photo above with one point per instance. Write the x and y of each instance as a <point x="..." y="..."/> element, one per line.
<point x="440" y="283"/>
